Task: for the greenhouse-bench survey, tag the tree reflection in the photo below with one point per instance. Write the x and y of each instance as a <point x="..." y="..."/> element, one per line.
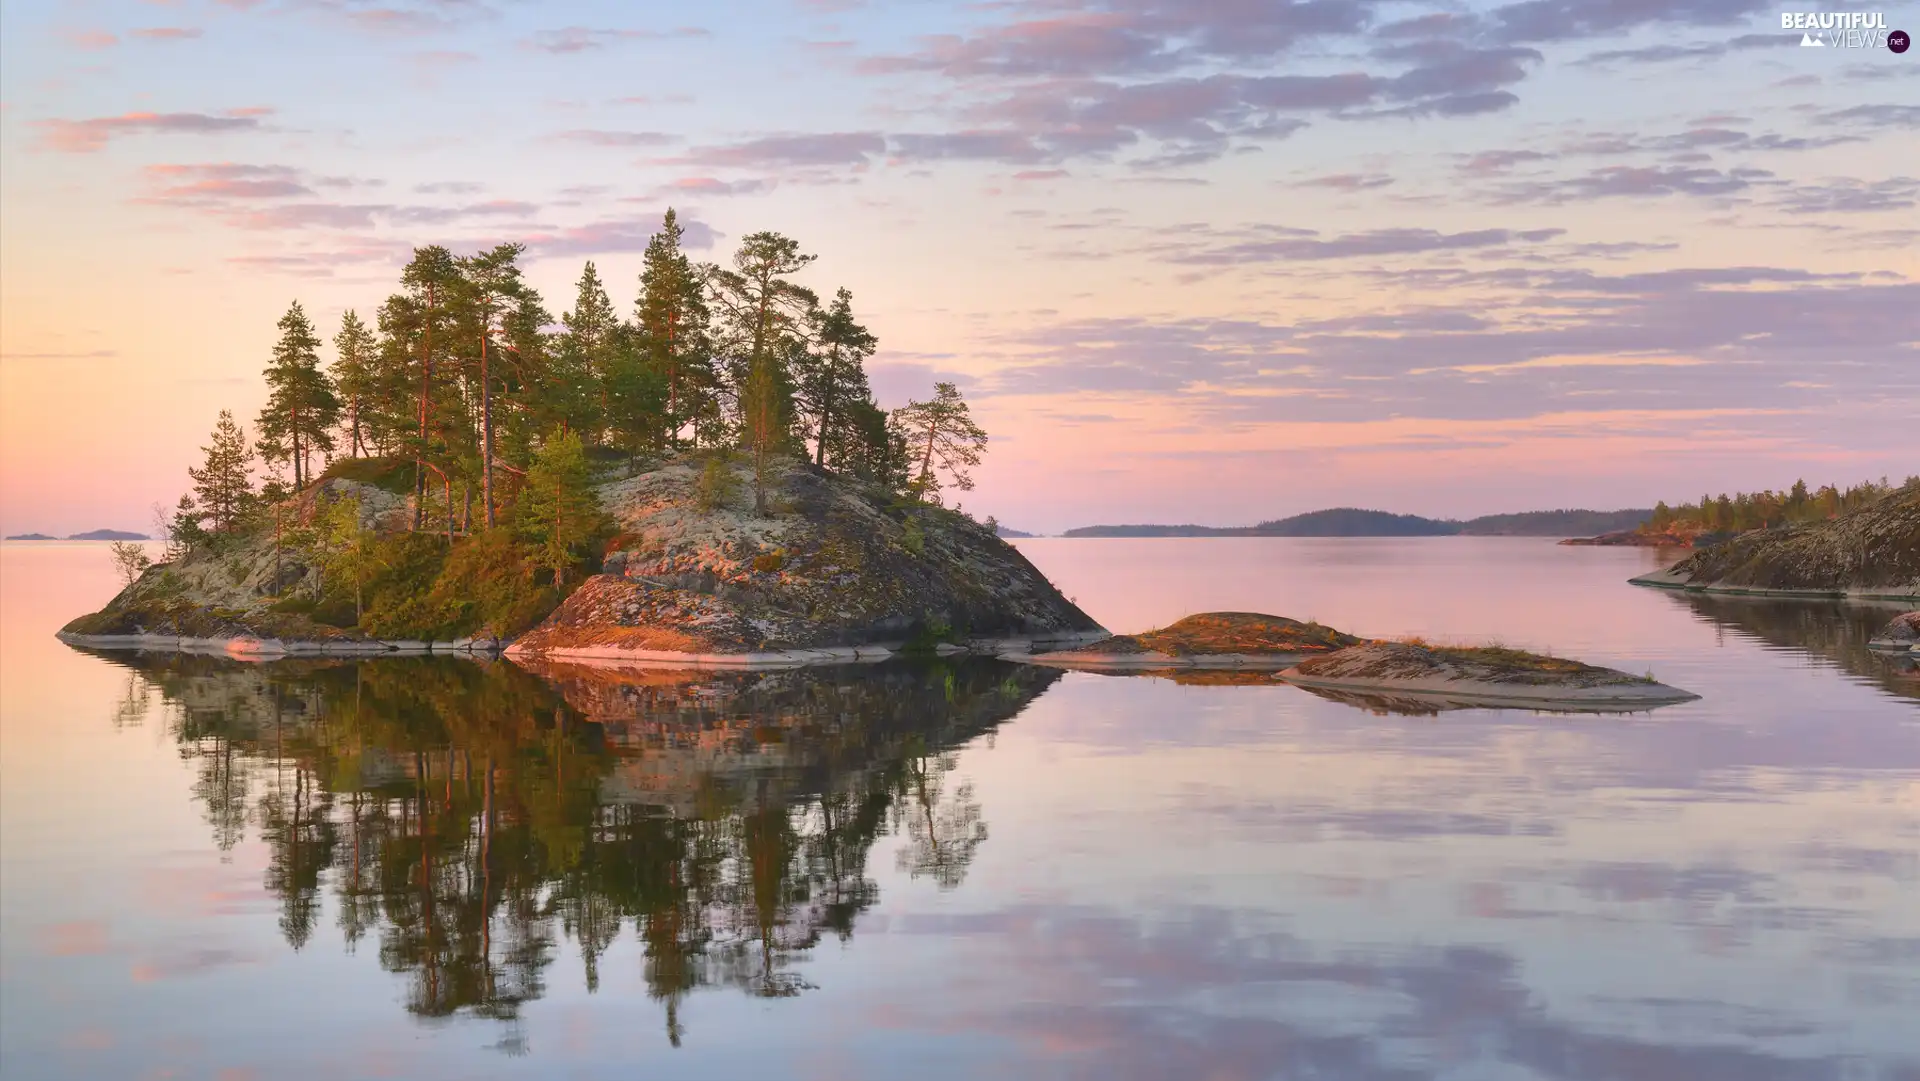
<point x="470" y="817"/>
<point x="1830" y="630"/>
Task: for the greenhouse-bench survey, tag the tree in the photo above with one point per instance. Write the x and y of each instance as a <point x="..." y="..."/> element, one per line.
<point x="221" y="484"/>
<point x="671" y="316"/>
<point x="943" y="436"/>
<point x="346" y="547"/>
<point x="763" y="314"/>
<point x="833" y="379"/>
<point x="557" y="513"/>
<point x="414" y="315"/>
<point x="130" y="560"/>
<point x="590" y="341"/>
<point x="301" y="409"/>
<point x="491" y="283"/>
<point x="355" y="377"/>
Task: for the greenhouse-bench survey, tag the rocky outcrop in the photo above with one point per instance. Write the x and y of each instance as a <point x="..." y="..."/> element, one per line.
<point x="1208" y="640"/>
<point x="1872" y="552"/>
<point x="1483" y="675"/>
<point x="837" y="570"/>
<point x="1903" y="632"/>
<point x="225" y="599"/>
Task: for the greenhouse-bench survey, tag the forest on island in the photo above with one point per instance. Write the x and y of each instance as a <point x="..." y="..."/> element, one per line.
<point x="465" y="394"/>
<point x="1762" y="510"/>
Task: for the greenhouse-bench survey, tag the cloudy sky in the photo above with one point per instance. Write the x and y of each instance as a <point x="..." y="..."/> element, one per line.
<point x="1192" y="260"/>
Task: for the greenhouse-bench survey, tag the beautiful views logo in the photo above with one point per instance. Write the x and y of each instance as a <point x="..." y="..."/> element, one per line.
<point x="1841" y="29"/>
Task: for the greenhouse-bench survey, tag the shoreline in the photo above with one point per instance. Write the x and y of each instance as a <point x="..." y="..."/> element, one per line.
<point x="248" y="647"/>
<point x="1667" y="579"/>
<point x="1075" y="660"/>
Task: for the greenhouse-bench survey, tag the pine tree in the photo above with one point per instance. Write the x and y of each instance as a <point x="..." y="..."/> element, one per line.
<point x="764" y="316"/>
<point x="355" y="378"/>
<point x="833" y="378"/>
<point x="943" y="436"/>
<point x="301" y="409"/>
<point x="592" y="336"/>
<point x="672" y="318"/>
<point x="490" y="285"/>
<point x="415" y="315"/>
<point x="222" y="487"/>
<point x="557" y="513"/>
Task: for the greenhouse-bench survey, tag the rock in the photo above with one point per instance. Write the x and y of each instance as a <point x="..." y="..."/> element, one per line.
<point x="1207" y="640"/>
<point x="1479" y="676"/>
<point x="1869" y="553"/>
<point x="838" y="568"/>
<point x="1902" y="633"/>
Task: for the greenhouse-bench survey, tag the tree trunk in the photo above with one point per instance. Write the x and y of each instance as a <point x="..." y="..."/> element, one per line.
<point x="926" y="460"/>
<point x="826" y="419"/>
<point x="426" y="394"/>
<point x="486" y="433"/>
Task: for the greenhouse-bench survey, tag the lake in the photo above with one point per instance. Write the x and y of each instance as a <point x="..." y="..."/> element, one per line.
<point x="414" y="868"/>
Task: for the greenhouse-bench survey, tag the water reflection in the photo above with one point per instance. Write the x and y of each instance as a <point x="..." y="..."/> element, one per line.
<point x="1834" y="632"/>
<point x="463" y="816"/>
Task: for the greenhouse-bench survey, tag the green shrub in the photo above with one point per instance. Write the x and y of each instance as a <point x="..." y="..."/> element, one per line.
<point x="718" y="483"/>
<point x="913" y="538"/>
<point x="387" y="474"/>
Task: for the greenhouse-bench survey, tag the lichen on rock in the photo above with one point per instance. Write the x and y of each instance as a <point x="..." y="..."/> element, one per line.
<point x="838" y="564"/>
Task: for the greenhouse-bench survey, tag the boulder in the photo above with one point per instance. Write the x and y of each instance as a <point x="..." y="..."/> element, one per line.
<point x="1480" y="675"/>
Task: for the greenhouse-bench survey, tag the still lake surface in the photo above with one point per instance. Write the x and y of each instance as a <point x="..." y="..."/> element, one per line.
<point x="418" y="868"/>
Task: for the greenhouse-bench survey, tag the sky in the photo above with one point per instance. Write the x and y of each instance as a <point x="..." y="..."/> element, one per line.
<point x="1211" y="261"/>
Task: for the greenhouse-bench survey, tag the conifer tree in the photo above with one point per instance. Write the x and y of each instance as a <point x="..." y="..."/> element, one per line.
<point x="943" y="436"/>
<point x="355" y="376"/>
<point x="416" y="314"/>
<point x="764" y="315"/>
<point x="672" y="318"/>
<point x="222" y="487"/>
<point x="490" y="285"/>
<point x="557" y="512"/>
<point x="833" y="377"/>
<point x="301" y="408"/>
<point x="593" y="333"/>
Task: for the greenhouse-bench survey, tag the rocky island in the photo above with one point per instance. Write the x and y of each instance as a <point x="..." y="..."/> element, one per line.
<point x="708" y="483"/>
<point x="1872" y="552"/>
<point x="1209" y="640"/>
<point x="1479" y="675"/>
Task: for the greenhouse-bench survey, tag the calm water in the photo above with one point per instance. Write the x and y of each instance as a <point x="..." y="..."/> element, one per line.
<point x="411" y="868"/>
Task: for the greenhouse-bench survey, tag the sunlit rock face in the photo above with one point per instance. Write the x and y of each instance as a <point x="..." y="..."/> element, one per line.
<point x="1870" y="552"/>
<point x="834" y="564"/>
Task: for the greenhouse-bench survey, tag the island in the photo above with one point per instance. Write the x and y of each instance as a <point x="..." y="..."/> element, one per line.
<point x="708" y="483"/>
<point x="1869" y="553"/>
<point x="1208" y="640"/>
<point x="1479" y="675"/>
<point x="108" y="535"/>
<point x="31" y="537"/>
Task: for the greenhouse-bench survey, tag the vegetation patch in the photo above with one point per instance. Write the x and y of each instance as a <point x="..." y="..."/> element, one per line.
<point x="1228" y="633"/>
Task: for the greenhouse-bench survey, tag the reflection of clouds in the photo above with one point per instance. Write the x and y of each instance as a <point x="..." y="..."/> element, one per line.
<point x="1219" y="994"/>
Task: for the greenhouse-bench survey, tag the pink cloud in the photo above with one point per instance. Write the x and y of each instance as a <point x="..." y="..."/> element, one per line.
<point x="166" y="33"/>
<point x="87" y="136"/>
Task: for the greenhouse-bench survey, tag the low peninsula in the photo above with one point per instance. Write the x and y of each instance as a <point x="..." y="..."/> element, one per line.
<point x="1868" y="553"/>
<point x="1480" y="675"/>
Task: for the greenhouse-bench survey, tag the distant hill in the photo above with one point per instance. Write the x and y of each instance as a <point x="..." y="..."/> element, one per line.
<point x="31" y="536"/>
<point x="1353" y="522"/>
<point x="1154" y="531"/>
<point x="1338" y="522"/>
<point x="108" y="534"/>
<point x="1011" y="534"/>
<point x="1556" y="523"/>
